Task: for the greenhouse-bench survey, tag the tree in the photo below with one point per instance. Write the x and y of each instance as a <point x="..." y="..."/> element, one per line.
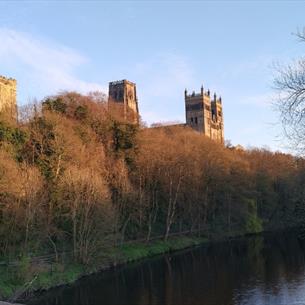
<point x="290" y="84"/>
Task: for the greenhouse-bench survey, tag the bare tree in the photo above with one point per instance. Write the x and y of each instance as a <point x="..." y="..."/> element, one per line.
<point x="290" y="84"/>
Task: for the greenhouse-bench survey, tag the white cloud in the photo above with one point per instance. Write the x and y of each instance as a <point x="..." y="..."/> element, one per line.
<point x="49" y="66"/>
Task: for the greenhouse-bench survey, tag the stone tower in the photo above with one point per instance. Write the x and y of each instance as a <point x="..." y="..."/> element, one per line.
<point x="8" y="103"/>
<point x="123" y="95"/>
<point x="205" y="115"/>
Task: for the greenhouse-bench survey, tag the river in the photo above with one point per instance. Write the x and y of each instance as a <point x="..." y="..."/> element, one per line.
<point x="259" y="270"/>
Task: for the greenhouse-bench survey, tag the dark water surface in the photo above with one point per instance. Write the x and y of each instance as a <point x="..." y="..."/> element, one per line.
<point x="260" y="270"/>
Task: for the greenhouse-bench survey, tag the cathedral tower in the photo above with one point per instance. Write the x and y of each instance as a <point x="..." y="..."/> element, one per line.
<point x="204" y="115"/>
<point x="8" y="104"/>
<point x="123" y="95"/>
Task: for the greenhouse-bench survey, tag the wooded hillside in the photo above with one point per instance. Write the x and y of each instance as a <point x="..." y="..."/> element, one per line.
<point x="74" y="177"/>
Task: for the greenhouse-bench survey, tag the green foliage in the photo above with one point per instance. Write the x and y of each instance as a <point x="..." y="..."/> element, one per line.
<point x="123" y="136"/>
<point x="7" y="289"/>
<point x="253" y="224"/>
<point x="41" y="148"/>
<point x="24" y="267"/>
<point x="16" y="137"/>
<point x="11" y="134"/>
<point x="45" y="276"/>
<point x="9" y="282"/>
<point x="124" y="141"/>
<point x="56" y="104"/>
<point x="81" y="112"/>
<point x="132" y="252"/>
<point x="58" y="274"/>
<point x="13" y="279"/>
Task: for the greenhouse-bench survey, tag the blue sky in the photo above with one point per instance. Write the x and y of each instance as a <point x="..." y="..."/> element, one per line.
<point x="164" y="46"/>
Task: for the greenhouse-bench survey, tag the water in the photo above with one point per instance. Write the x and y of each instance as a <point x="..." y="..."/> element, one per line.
<point x="252" y="271"/>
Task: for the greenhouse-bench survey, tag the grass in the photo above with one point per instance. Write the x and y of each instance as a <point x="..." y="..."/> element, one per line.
<point x="60" y="274"/>
<point x="137" y="251"/>
<point x="44" y="276"/>
<point x="9" y="282"/>
<point x="14" y="280"/>
<point x="7" y="288"/>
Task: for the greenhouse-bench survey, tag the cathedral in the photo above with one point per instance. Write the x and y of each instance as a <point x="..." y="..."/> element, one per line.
<point x="203" y="113"/>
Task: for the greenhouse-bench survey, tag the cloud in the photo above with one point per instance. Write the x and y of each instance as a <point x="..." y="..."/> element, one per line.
<point x="49" y="66"/>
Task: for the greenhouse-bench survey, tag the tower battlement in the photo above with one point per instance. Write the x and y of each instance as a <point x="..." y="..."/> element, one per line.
<point x="5" y="80"/>
<point x="8" y="96"/>
<point x="121" y="82"/>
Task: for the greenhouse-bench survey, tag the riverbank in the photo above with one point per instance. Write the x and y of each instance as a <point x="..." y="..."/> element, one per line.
<point x="46" y="275"/>
<point x="20" y="282"/>
<point x="243" y="270"/>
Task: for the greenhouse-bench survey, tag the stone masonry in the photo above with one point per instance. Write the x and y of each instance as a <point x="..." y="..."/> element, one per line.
<point x="8" y="103"/>
<point x="123" y="93"/>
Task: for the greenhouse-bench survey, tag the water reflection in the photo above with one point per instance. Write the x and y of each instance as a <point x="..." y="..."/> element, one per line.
<point x="258" y="270"/>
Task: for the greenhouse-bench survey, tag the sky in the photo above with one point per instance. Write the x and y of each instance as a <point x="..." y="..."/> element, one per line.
<point x="231" y="47"/>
